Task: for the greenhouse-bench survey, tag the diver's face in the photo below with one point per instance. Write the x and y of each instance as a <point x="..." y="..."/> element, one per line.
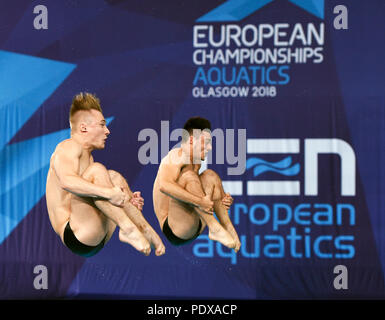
<point x="97" y="130"/>
<point x="201" y="145"/>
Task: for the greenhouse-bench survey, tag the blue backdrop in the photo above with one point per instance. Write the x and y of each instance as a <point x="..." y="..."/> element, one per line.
<point x="310" y="96"/>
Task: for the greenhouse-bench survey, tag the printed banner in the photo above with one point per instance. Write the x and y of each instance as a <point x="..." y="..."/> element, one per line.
<point x="294" y="91"/>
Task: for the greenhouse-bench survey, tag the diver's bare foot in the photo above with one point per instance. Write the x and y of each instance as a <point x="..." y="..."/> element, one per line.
<point x="237" y="245"/>
<point x="236" y="239"/>
<point x="133" y="237"/>
<point x="160" y="250"/>
<point x="221" y="235"/>
<point x="155" y="241"/>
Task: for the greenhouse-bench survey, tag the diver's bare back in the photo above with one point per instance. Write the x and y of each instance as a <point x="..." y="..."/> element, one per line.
<point x="58" y="199"/>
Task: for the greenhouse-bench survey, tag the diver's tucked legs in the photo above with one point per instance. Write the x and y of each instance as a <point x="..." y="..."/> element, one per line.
<point x="183" y="218"/>
<point x="136" y="215"/>
<point x="129" y="233"/>
<point x="210" y="179"/>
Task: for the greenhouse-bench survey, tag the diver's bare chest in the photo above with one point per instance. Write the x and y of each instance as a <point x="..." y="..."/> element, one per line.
<point x="84" y="163"/>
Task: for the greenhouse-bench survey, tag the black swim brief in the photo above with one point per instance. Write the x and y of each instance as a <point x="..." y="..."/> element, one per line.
<point x="176" y="241"/>
<point x="79" y="248"/>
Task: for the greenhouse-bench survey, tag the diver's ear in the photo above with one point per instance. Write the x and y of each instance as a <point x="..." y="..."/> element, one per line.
<point x="83" y="127"/>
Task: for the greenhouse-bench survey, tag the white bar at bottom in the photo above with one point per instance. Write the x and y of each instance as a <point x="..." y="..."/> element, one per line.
<point x="273" y="188"/>
<point x="235" y="188"/>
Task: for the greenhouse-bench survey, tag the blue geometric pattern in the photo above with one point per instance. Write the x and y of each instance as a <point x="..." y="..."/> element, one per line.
<point x="25" y="83"/>
<point x="315" y="7"/>
<point x="236" y="10"/>
<point x="233" y="10"/>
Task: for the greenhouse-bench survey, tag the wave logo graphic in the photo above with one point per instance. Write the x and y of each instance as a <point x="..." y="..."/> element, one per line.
<point x="312" y="149"/>
<point x="283" y="167"/>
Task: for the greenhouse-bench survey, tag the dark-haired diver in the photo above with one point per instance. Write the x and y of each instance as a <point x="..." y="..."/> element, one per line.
<point x="184" y="200"/>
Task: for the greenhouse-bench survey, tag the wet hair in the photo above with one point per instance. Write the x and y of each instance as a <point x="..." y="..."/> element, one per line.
<point x="195" y="123"/>
<point x="84" y="101"/>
